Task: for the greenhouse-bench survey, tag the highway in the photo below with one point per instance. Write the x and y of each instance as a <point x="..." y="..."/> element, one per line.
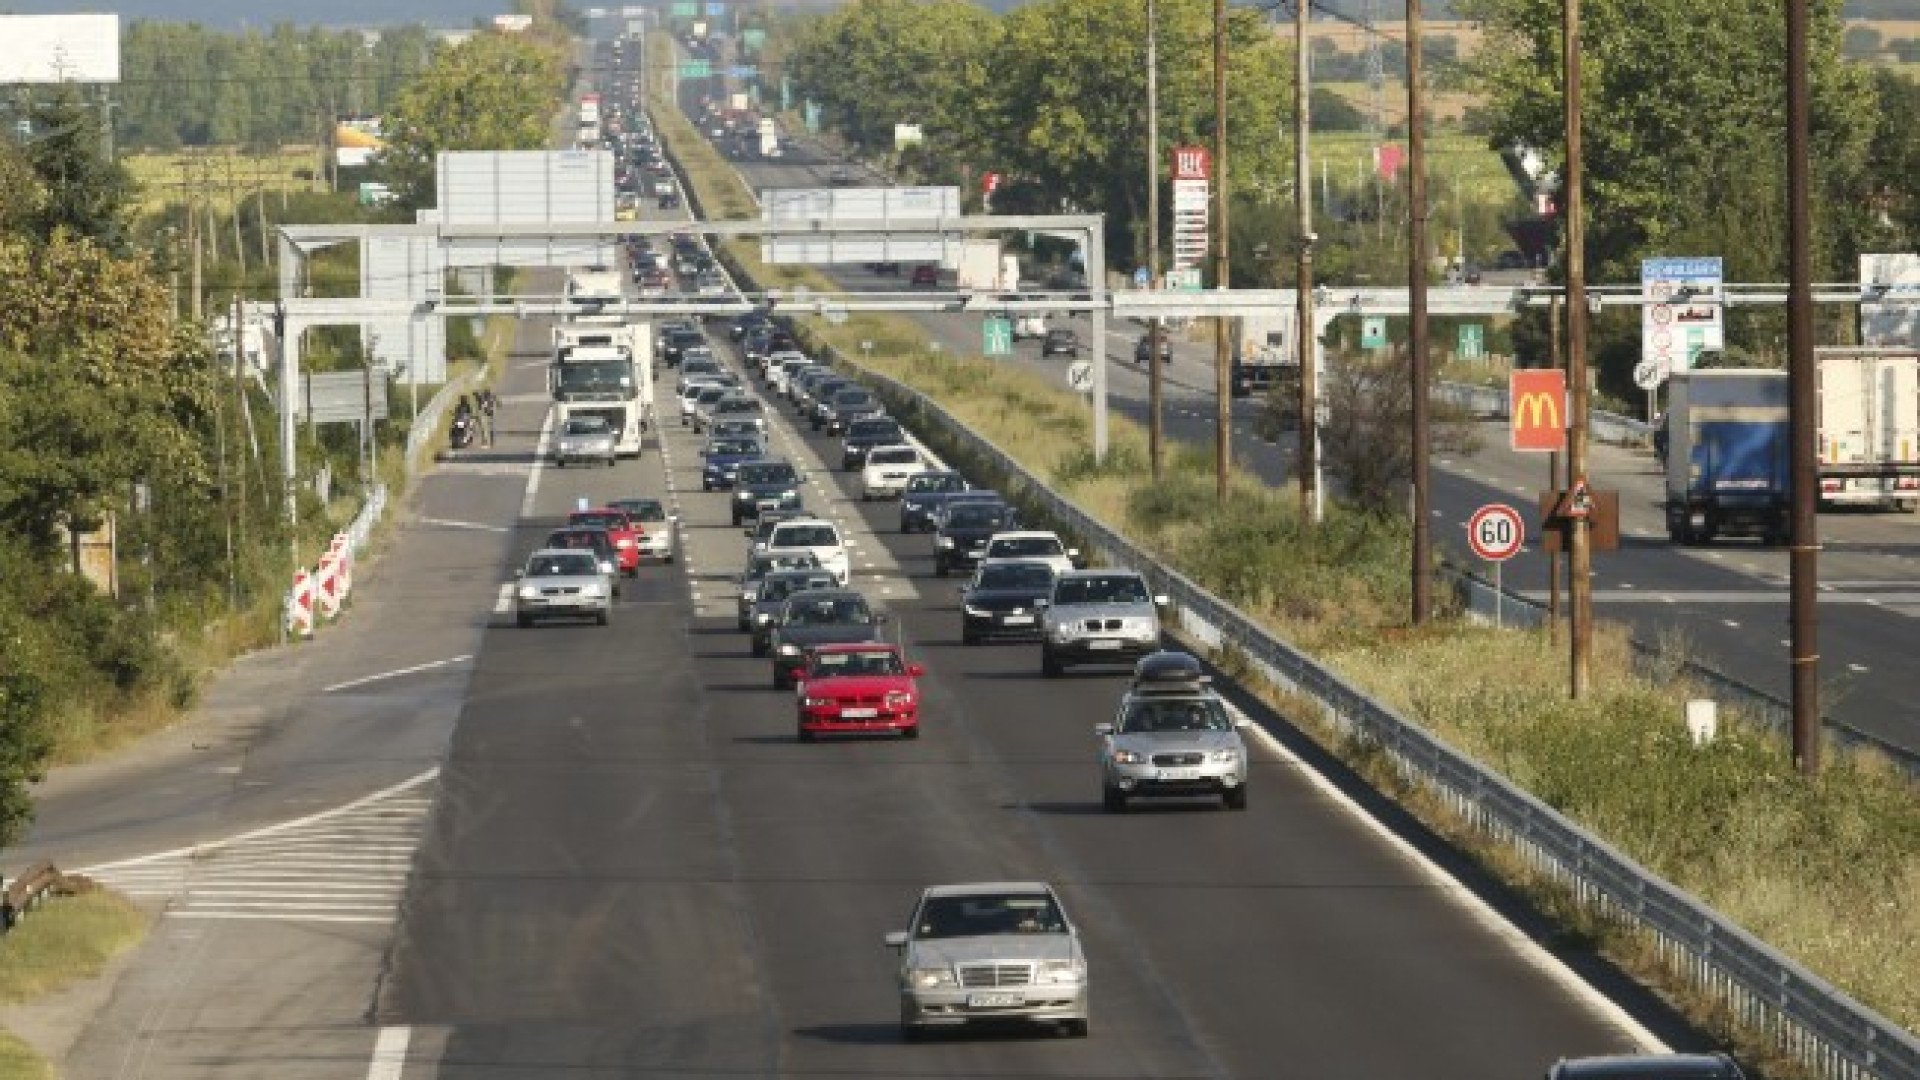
<point x="1725" y="604"/>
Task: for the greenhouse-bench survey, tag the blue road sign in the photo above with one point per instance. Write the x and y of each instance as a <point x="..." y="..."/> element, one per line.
<point x="743" y="71"/>
<point x="1141" y="279"/>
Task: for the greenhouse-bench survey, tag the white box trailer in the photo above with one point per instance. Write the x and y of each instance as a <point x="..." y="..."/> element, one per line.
<point x="605" y="371"/>
<point x="1869" y="427"/>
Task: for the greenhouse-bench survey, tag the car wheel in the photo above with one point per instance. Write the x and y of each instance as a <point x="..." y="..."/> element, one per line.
<point x="779" y="681"/>
<point x="736" y="521"/>
<point x="612" y="459"/>
<point x="601" y="618"/>
<point x="911" y="1033"/>
<point x="559" y="463"/>
<point x="968" y="637"/>
<point x="910" y="733"/>
<point x="1112" y="799"/>
<point x="524" y="622"/>
<point x="1235" y="798"/>
<point x="803" y="734"/>
<point x="759" y="648"/>
<point x="1076" y="1029"/>
<point x="1050" y="665"/>
<point x="940" y="567"/>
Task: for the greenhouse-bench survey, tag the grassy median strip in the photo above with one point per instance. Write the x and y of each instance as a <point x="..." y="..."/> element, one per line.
<point x="1825" y="869"/>
<point x="64" y="941"/>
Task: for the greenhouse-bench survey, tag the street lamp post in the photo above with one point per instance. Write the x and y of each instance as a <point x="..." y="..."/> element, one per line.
<point x="1155" y="405"/>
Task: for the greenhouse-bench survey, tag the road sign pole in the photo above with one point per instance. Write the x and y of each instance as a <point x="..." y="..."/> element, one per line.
<point x="1803" y="557"/>
<point x="1097" y="281"/>
<point x="1499" y="596"/>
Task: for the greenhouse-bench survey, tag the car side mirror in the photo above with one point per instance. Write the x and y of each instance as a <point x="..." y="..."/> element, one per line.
<point x="746" y="532"/>
<point x="606" y="567"/>
<point x="879" y="616"/>
<point x="1161" y="600"/>
<point x="1103" y="729"/>
<point x="896" y="939"/>
<point x="519" y="574"/>
<point x="673" y="519"/>
<point x="916" y="670"/>
<point x="1042" y="602"/>
<point x="1073" y="553"/>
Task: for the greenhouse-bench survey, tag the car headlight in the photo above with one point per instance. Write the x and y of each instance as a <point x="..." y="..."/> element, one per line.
<point x="1062" y="971"/>
<point x="943" y="541"/>
<point x="749" y="594"/>
<point x="1223" y="757"/>
<point x="744" y="494"/>
<point x="590" y="590"/>
<point x="623" y="542"/>
<point x="528" y="592"/>
<point x="1129" y="757"/>
<point x="763" y="618"/>
<point x="789" y="650"/>
<point x="790" y="493"/>
<point x="819" y="702"/>
<point x="975" y="612"/>
<point x="931" y="978"/>
<point x="898" y="699"/>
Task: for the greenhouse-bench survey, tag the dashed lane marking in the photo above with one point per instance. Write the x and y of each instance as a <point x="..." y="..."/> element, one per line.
<point x="414" y="669"/>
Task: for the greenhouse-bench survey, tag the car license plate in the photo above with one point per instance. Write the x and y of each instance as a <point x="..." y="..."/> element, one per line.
<point x="1104" y="643"/>
<point x="859" y="714"/>
<point x="993" y="1001"/>
<point x="1018" y="620"/>
<point x="1179" y="774"/>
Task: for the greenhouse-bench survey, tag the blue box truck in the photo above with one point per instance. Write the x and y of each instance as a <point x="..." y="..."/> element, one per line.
<point x="1727" y="456"/>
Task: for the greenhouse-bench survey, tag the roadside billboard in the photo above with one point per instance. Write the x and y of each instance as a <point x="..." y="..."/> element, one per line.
<point x="60" y="49"/>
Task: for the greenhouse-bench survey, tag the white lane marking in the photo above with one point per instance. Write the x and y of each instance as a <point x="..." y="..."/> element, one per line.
<point x="474" y="525"/>
<point x="1857" y="668"/>
<point x="503" y="602"/>
<point x="389" y="1053"/>
<point x="397" y="672"/>
<point x="539" y="461"/>
<point x="1731" y="624"/>
<point x="1530" y="950"/>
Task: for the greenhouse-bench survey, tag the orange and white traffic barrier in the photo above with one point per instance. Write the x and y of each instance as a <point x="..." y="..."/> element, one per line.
<point x="326" y="587"/>
<point x="300" y="605"/>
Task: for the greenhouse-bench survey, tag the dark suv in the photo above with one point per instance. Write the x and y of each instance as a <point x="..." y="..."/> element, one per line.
<point x="766" y="485"/>
<point x="864" y="435"/>
<point x="1060" y="339"/>
<point x="964" y="530"/>
<point x="1647" y="1067"/>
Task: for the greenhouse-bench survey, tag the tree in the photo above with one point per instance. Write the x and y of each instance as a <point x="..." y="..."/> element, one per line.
<point x="490" y="92"/>
<point x="82" y="192"/>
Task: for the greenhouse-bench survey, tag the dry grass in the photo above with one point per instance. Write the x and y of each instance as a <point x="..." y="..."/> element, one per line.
<point x="222" y="175"/>
<point x="66" y="940"/>
<point x="19" y="1062"/>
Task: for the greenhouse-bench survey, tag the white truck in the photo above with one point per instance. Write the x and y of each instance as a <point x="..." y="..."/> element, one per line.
<point x="1264" y="352"/>
<point x="769" y="138"/>
<point x="606" y="371"/>
<point x="1869" y="427"/>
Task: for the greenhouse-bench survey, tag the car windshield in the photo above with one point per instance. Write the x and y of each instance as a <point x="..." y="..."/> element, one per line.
<point x="827" y="611"/>
<point x="644" y="509"/>
<point x="781" y="473"/>
<point x="1186" y="714"/>
<point x="734" y="446"/>
<point x="739" y="405"/>
<point x="981" y="916"/>
<point x="980" y="517"/>
<point x="864" y="662"/>
<point x="1017" y="576"/>
<point x="578" y="538"/>
<point x="1016" y="546"/>
<point x="598" y="520"/>
<point x="792" y="560"/>
<point x="890" y="455"/>
<point x="588" y="425"/>
<point x="1105" y="589"/>
<point x="852" y="397"/>
<point x="939" y="482"/>
<point x="867" y="429"/>
<point x="710" y="394"/>
<point x="569" y="565"/>
<point x="805" y="536"/>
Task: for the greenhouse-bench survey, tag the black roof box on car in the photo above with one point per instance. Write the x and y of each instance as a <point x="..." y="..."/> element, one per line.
<point x="1168" y="668"/>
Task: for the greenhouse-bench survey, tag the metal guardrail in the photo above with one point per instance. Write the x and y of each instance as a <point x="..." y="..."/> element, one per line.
<point x="30" y="889"/>
<point x="1805" y="1016"/>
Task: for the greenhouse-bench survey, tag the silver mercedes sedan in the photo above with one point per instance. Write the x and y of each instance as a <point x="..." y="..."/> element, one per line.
<point x="990" y="951"/>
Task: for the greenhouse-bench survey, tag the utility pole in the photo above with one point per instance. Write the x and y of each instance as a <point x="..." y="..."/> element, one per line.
<point x="1554" y="483"/>
<point x="1417" y="330"/>
<point x="1305" y="340"/>
<point x="1803" y="560"/>
<point x="1223" y="390"/>
<point x="193" y="241"/>
<point x="237" y="522"/>
<point x="1579" y="555"/>
<point x="1155" y="375"/>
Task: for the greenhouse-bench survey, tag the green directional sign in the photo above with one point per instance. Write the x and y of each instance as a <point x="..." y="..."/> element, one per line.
<point x="1473" y="341"/>
<point x="1373" y="332"/>
<point x="685" y="9"/>
<point x="753" y="39"/>
<point x="996" y="336"/>
<point x="696" y="69"/>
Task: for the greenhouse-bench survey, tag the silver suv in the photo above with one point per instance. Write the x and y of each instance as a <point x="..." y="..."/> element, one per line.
<point x="1098" y="617"/>
<point x="1001" y="950"/>
<point x="1172" y="735"/>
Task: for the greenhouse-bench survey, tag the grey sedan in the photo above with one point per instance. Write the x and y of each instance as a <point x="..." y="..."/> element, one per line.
<point x="990" y="951"/>
<point x="562" y="583"/>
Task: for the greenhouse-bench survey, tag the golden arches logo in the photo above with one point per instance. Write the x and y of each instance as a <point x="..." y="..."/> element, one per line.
<point x="1538" y="411"/>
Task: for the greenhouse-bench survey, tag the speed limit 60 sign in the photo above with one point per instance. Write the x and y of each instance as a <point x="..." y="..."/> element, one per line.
<point x="1496" y="532"/>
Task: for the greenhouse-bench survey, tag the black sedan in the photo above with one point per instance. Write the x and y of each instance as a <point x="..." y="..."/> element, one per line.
<point x="1003" y="601"/>
<point x="1060" y="340"/>
<point x="923" y="496"/>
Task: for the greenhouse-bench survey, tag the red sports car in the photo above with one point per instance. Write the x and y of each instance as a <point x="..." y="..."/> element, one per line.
<point x="625" y="533"/>
<point x="858" y="688"/>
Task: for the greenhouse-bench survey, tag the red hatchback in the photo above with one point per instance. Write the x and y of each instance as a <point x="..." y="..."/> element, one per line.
<point x="625" y="533"/>
<point x="864" y="688"/>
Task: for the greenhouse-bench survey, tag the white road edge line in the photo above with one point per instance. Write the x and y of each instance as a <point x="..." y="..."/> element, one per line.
<point x="389" y="1053"/>
<point x="397" y="672"/>
<point x="1529" y="949"/>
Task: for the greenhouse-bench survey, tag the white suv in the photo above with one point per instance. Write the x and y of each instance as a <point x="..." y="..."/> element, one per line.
<point x="818" y="536"/>
<point x="1032" y="547"/>
<point x="888" y="469"/>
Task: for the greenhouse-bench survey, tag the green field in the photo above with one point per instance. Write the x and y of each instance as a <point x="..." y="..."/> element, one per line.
<point x="223" y="175"/>
<point x="1451" y="158"/>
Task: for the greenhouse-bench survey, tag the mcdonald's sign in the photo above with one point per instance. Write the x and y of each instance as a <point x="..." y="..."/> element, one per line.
<point x="1537" y="409"/>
